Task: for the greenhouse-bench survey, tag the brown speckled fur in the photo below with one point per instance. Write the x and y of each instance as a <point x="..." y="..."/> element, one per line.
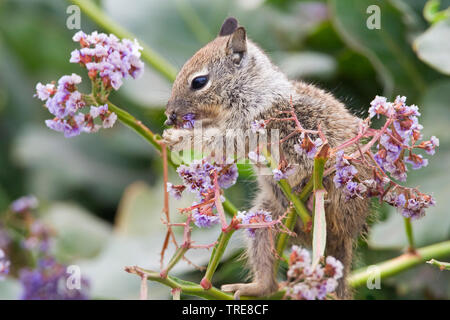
<point x="242" y="87"/>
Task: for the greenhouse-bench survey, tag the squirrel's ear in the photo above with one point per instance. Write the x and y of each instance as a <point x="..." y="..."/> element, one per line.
<point x="237" y="44"/>
<point x="228" y="27"/>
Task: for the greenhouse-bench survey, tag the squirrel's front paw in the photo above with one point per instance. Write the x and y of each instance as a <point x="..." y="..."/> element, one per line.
<point x="174" y="137"/>
<point x="255" y="289"/>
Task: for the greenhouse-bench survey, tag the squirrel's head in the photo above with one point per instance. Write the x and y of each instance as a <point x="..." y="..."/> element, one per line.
<point x="228" y="76"/>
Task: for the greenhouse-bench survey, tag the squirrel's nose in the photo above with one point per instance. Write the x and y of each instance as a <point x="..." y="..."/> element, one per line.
<point x="171" y="120"/>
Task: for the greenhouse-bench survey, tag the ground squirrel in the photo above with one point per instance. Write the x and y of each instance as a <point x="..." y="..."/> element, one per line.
<point x="231" y="82"/>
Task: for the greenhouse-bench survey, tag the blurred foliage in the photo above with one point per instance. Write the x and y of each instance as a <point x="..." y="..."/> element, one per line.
<point x="80" y="181"/>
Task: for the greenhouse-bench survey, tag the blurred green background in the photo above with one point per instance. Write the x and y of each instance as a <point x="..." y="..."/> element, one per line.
<point x="102" y="193"/>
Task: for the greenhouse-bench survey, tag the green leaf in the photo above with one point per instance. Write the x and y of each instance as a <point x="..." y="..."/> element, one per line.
<point x="433" y="46"/>
<point x="387" y="48"/>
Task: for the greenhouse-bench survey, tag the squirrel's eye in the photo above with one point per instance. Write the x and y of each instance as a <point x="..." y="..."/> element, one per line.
<point x="199" y="82"/>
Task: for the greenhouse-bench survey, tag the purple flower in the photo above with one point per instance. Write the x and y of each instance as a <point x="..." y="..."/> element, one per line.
<point x="283" y="173"/>
<point x="258" y="216"/>
<point x="417" y="161"/>
<point x="300" y="257"/>
<point x="204" y="220"/>
<point x="400" y="201"/>
<point x="49" y="282"/>
<point x="97" y="111"/>
<point x="24" y="204"/>
<point x="307" y="146"/>
<point x="305" y="292"/>
<point x="278" y="174"/>
<point x="79" y="36"/>
<point x="175" y="191"/>
<point x="71" y="128"/>
<point x="378" y="106"/>
<point x="188" y="121"/>
<point x="227" y="174"/>
<point x="43" y="92"/>
<point x="68" y="82"/>
<point x="258" y="126"/>
<point x="344" y="171"/>
<point x="4" y="265"/>
<point x="109" y="121"/>
<point x="108" y="57"/>
<point x="333" y="268"/>
<point x="430" y="147"/>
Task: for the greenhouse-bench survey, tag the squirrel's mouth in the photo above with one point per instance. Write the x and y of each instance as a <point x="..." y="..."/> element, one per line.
<point x="188" y="121"/>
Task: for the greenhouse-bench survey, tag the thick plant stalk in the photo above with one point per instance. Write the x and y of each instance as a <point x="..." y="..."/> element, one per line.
<point x="216" y="255"/>
<point x="191" y="288"/>
<point x="401" y="263"/>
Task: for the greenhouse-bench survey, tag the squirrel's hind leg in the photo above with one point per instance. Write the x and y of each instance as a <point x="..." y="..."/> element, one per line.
<point x="261" y="253"/>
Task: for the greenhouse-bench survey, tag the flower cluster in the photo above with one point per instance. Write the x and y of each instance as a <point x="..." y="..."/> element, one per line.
<point x="395" y="147"/>
<point x="395" y="144"/>
<point x="41" y="276"/>
<point x="49" y="281"/>
<point x="307" y="146"/>
<point x="253" y="217"/>
<point x="307" y="283"/>
<point x="344" y="177"/>
<point x="108" y="57"/>
<point x="38" y="237"/>
<point x="198" y="178"/>
<point x="24" y="203"/>
<point x="410" y="203"/>
<point x="108" y="61"/>
<point x="4" y="265"/>
<point x="65" y="102"/>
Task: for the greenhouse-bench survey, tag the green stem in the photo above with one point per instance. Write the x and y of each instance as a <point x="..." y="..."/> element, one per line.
<point x="282" y="239"/>
<point x="229" y="208"/>
<point x="287" y="190"/>
<point x="401" y="263"/>
<point x="106" y="23"/>
<point x="174" y="260"/>
<point x="191" y="288"/>
<point x="409" y="233"/>
<point x="441" y="265"/>
<point x="216" y="255"/>
<point x="290" y="221"/>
